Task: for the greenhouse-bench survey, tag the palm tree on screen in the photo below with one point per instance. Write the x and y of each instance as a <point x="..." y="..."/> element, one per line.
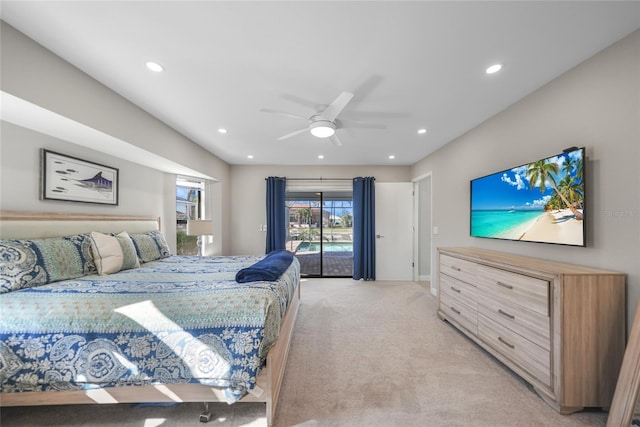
<point x="541" y="173"/>
<point x="571" y="189"/>
<point x="574" y="167"/>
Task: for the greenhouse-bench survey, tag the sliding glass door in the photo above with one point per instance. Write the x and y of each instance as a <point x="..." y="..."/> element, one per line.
<point x="320" y="232"/>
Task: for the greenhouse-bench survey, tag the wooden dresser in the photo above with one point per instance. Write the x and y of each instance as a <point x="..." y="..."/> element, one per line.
<point x="559" y="326"/>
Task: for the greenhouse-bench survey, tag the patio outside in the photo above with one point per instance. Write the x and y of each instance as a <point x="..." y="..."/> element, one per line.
<point x="322" y="237"/>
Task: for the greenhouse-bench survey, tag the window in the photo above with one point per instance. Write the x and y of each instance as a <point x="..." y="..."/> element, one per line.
<point x="190" y="197"/>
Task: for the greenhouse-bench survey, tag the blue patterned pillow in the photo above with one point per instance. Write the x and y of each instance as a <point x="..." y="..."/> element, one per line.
<point x="28" y="263"/>
<point x="150" y="246"/>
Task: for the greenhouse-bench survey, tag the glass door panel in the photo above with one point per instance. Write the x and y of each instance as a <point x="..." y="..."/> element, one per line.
<point x="337" y="248"/>
<point x="305" y="230"/>
<point x="321" y="234"/>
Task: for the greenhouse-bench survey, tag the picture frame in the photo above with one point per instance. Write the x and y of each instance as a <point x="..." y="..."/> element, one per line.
<point x="71" y="179"/>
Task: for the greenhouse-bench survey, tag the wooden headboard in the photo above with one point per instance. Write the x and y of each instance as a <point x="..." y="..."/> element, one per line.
<point x="32" y="225"/>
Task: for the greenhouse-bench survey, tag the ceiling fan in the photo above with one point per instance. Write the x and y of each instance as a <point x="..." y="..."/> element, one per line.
<point x="322" y="123"/>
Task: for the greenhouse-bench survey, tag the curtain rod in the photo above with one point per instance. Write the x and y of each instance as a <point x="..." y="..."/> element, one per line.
<point x="317" y="179"/>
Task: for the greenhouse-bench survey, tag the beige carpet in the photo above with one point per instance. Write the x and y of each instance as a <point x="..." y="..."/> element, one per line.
<point x="363" y="354"/>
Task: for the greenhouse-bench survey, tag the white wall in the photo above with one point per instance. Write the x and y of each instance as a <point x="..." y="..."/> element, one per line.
<point x="596" y="105"/>
<point x="34" y="74"/>
<point x="248" y="195"/>
<point x="141" y="189"/>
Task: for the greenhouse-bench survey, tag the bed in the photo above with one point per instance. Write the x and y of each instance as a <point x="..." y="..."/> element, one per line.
<point x="176" y="329"/>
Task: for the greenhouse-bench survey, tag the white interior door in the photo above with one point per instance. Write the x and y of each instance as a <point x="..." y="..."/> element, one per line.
<point x="394" y="231"/>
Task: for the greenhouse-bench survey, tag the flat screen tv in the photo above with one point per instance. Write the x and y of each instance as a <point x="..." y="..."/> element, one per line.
<point x="542" y="201"/>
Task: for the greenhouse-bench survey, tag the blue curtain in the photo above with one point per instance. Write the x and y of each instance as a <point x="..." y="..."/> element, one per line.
<point x="364" y="229"/>
<point x="276" y="214"/>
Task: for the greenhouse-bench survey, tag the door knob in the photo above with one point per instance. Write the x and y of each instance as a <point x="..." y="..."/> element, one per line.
<point x="379" y="236"/>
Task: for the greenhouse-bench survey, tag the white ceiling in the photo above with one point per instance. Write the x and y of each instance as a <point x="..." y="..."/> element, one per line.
<point x="410" y="64"/>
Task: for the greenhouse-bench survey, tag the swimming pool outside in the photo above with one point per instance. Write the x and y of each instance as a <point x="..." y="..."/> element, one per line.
<point x="326" y="247"/>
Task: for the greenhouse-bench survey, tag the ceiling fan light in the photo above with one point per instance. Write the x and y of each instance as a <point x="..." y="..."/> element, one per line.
<point x="322" y="129"/>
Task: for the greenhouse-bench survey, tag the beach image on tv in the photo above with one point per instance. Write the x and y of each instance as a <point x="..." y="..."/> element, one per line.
<point x="541" y="201"/>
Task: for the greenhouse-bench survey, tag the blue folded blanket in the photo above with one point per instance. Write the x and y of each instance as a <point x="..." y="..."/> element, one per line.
<point x="269" y="268"/>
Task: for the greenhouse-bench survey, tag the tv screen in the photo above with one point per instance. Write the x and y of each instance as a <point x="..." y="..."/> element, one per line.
<point x="541" y="201"/>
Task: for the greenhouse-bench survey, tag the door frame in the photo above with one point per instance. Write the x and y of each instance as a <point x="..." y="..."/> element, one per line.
<point x="416" y="226"/>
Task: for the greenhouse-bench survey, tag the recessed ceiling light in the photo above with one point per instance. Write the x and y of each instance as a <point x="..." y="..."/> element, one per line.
<point x="321" y="156"/>
<point x="392" y="157"/>
<point x="422" y="131"/>
<point x="494" y="69"/>
<point x="154" y="66"/>
<point x="222" y="130"/>
<point x="250" y="156"/>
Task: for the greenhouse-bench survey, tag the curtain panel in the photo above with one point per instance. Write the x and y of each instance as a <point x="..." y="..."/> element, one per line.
<point x="276" y="214"/>
<point x="364" y="229"/>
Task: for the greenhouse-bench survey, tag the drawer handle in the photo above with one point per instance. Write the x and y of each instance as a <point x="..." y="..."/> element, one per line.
<point x="511" y="346"/>
<point x="504" y="313"/>
<point x="453" y="267"/>
<point x="454" y="310"/>
<point x="455" y="289"/>
<point x="504" y="285"/>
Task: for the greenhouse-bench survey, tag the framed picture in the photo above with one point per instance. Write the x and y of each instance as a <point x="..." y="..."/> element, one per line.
<point x="71" y="179"/>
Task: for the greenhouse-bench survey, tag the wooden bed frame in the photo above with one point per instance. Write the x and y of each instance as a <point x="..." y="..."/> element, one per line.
<point x="29" y="225"/>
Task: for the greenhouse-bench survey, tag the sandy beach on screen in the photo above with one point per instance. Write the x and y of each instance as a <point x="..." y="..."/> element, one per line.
<point x="555" y="227"/>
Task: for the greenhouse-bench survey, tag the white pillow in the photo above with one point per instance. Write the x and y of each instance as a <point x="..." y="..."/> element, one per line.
<point x="112" y="254"/>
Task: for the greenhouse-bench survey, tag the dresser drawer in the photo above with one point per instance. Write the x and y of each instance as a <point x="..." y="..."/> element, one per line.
<point x="529" y="356"/>
<point x="458" y="268"/>
<point x="516" y="288"/>
<point x="459" y="290"/>
<point x="526" y="323"/>
<point x="464" y="315"/>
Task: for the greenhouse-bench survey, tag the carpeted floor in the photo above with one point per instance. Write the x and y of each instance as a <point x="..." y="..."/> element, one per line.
<point x="363" y="354"/>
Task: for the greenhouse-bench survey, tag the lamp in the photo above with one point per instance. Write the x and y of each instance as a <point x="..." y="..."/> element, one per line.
<point x="322" y="128"/>
<point x="200" y="227"/>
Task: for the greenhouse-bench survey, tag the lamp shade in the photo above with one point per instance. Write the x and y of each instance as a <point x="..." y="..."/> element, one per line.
<point x="200" y="227"/>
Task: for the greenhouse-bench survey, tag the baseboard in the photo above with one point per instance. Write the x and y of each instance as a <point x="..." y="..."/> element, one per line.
<point x="427" y="278"/>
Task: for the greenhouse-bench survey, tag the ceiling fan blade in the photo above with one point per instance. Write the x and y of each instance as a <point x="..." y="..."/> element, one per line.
<point x="294" y="133"/>
<point x="334" y="138"/>
<point x="331" y="112"/>
<point x="367" y="87"/>
<point x="299" y="100"/>
<point x="354" y="124"/>
<point x="376" y="115"/>
<point x="283" y="113"/>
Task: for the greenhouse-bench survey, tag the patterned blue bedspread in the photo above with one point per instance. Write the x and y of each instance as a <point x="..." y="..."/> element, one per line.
<point x="175" y="320"/>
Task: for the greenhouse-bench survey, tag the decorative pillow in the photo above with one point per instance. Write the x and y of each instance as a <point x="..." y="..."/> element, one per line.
<point x="28" y="263"/>
<point x="113" y="253"/>
<point x="150" y="246"/>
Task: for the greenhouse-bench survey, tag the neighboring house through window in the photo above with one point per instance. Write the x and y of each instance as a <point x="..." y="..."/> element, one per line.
<point x="190" y="202"/>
